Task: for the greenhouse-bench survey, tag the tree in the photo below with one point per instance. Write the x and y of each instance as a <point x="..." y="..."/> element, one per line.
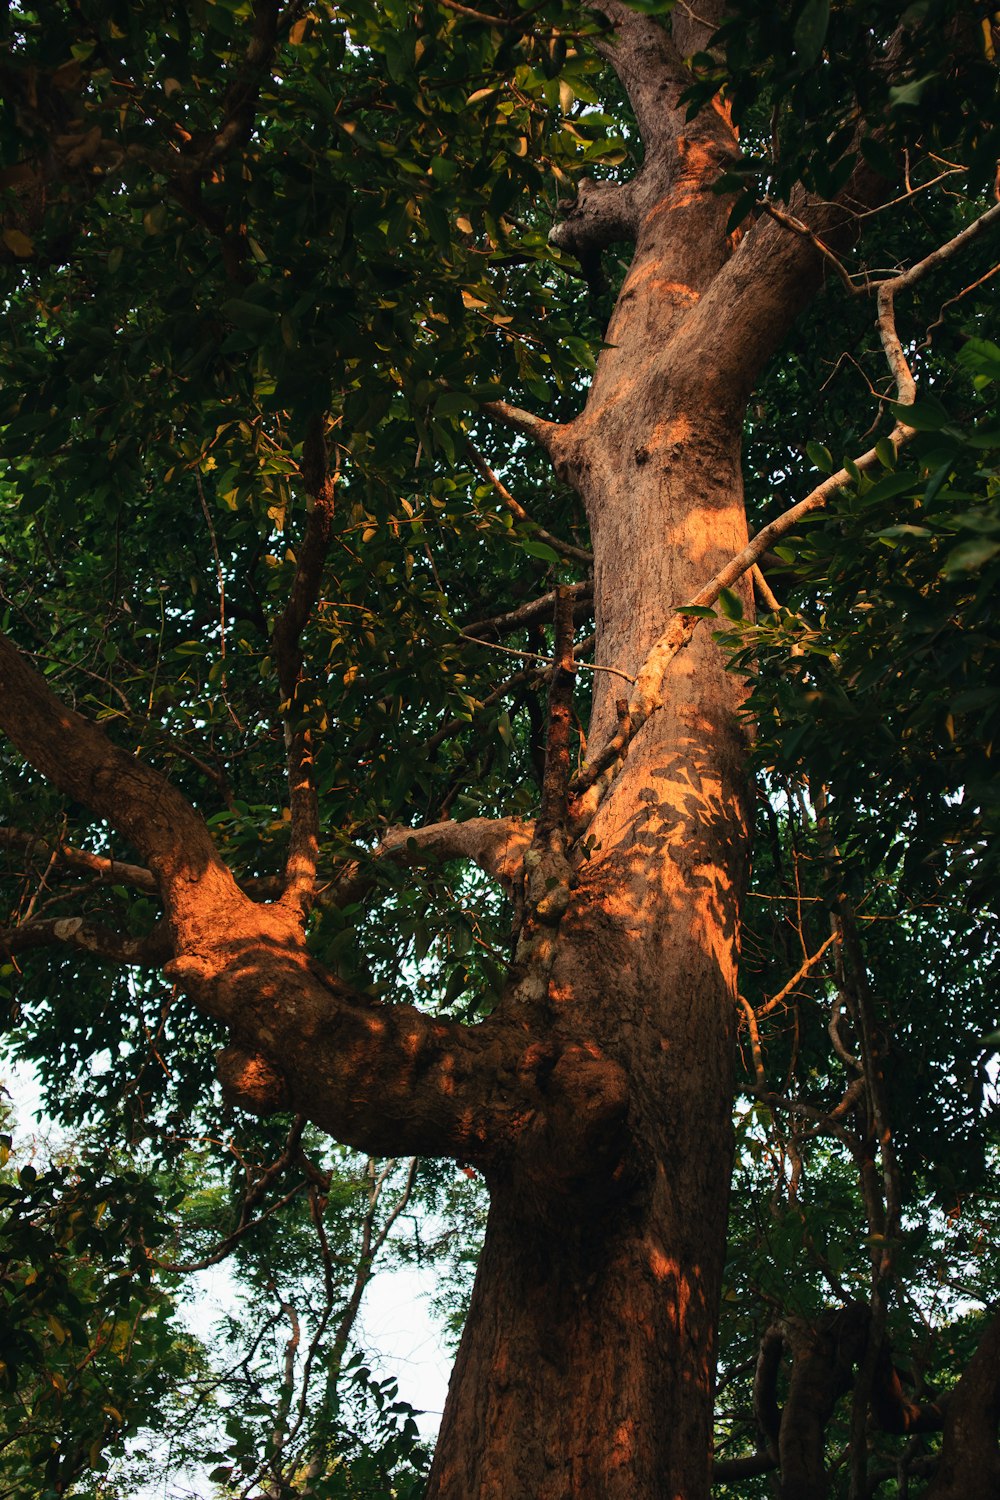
<point x="274" y="277"/>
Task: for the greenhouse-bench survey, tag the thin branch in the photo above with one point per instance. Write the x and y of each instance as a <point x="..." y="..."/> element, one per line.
<point x="804" y="968"/>
<point x="730" y="1470"/>
<point x="565" y="549"/>
<point x="887" y="291"/>
<point x="254" y="1194"/>
<point x="548" y="661"/>
<point x="109" y="871"/>
<point x="548" y="435"/>
<point x="530" y="613"/>
<point x="906" y="279"/>
<point x="789" y="221"/>
<point x="519" y="23"/>
<point x="371" y="1244"/>
<point x="456" y="725"/>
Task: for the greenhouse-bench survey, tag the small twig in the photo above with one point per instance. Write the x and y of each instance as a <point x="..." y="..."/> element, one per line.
<point x="789" y="221"/>
<point x="804" y="968"/>
<point x="547" y="661"/>
<point x="973" y="286"/>
<point x="565" y="549"/>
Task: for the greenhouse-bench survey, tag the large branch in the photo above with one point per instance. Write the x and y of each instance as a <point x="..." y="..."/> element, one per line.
<point x="79" y="759"/>
<point x="551" y="436"/>
<point x="385" y="1078"/>
<point x="380" y="1078"/>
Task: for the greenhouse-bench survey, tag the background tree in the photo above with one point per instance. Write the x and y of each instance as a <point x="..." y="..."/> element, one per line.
<point x="278" y="786"/>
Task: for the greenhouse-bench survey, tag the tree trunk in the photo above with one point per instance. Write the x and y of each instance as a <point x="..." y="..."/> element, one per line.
<point x="587" y="1366"/>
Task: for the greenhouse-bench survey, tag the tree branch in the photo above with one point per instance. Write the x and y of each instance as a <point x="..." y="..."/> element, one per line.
<point x="79" y="759"/>
<point x="496" y="845"/>
<point x="906" y="387"/>
<point x="303" y="851"/>
<point x="565" y="549"/>
<point x="530" y="613"/>
<point x="602" y="214"/>
<point x="151" y="951"/>
<point x="109" y="871"/>
<point x="550" y="436"/>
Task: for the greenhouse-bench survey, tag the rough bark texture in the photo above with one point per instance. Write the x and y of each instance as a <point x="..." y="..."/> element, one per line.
<point x="587" y="1367"/>
<point x="970" y="1455"/>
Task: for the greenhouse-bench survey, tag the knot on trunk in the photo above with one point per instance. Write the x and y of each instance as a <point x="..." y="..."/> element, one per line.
<point x="250" y="1082"/>
<point x="600" y="214"/>
<point x="570" y="1151"/>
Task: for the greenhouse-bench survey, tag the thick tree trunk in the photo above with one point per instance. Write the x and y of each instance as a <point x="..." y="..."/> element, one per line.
<point x="587" y="1366"/>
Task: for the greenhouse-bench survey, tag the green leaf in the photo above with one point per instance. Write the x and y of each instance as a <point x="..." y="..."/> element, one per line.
<point x="820" y="457"/>
<point x="248" y="315"/>
<point x="925" y="415"/>
<point x="540" y="549"/>
<point x="969" y="556"/>
<point x="810" y="30"/>
<point x="889" y="487"/>
<point x="731" y="604"/>
<point x="908" y="95"/>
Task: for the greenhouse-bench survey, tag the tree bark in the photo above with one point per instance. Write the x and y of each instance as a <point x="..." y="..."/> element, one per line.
<point x="969" y="1468"/>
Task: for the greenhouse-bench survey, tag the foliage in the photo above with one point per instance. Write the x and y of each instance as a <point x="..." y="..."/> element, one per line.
<point x="93" y="1349"/>
<point x="370" y="246"/>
